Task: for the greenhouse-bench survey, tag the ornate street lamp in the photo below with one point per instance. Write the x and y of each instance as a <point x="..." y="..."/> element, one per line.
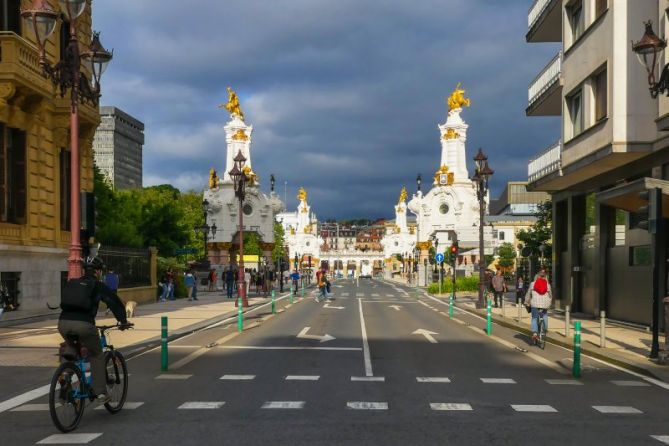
<point x="66" y="74"/>
<point x="648" y="50"/>
<point x="419" y="180"/>
<point x="239" y="180"/>
<point x="205" y="229"/>
<point x="481" y="178"/>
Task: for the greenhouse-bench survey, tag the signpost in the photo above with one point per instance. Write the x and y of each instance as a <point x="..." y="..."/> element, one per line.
<point x="440" y="261"/>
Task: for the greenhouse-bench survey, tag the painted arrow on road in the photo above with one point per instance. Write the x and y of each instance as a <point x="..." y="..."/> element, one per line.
<point x="428" y="334"/>
<point x="397" y="307"/>
<point x="336" y="308"/>
<point x="303" y="334"/>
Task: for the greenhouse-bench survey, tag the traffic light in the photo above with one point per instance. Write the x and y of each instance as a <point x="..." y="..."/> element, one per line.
<point x="649" y="214"/>
<point x="453" y="253"/>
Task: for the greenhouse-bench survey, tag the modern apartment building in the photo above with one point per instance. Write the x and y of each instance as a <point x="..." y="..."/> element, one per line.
<point x="612" y="144"/>
<point x="35" y="159"/>
<point x="118" y="148"/>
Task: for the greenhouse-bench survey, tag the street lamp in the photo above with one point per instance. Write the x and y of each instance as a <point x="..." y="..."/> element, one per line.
<point x="419" y="180"/>
<point x="205" y="229"/>
<point x="481" y="178"/>
<point x="41" y="18"/>
<point x="239" y="180"/>
<point x="648" y="50"/>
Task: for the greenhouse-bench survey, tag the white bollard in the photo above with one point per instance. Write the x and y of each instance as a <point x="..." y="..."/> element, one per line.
<point x="567" y="324"/>
<point x="520" y="310"/>
<point x="602" y="329"/>
<point x="503" y="307"/>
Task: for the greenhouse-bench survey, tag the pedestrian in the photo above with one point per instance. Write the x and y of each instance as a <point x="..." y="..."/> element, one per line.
<point x="189" y="281"/>
<point x="539" y="298"/>
<point x="111" y="280"/>
<point x="247" y="281"/>
<point x="171" y="283"/>
<point x="321" y="288"/>
<point x="212" y="279"/>
<point x="165" y="287"/>
<point x="520" y="286"/>
<point x="295" y="278"/>
<point x="229" y="277"/>
<point x="499" y="287"/>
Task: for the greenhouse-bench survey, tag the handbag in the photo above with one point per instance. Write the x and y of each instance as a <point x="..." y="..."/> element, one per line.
<point x="528" y="308"/>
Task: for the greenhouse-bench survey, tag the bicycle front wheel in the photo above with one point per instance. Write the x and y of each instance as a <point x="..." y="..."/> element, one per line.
<point x="542" y="334"/>
<point x="117" y="380"/>
<point x="66" y="397"/>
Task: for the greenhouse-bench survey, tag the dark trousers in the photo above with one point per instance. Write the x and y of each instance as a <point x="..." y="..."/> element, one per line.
<point x="229" y="286"/>
<point x="498" y="295"/>
<point x="89" y="338"/>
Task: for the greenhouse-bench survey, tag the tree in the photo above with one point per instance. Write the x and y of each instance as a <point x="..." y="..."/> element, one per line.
<point x="279" y="236"/>
<point x="507" y="256"/>
<point x="116" y="215"/>
<point x="540" y="234"/>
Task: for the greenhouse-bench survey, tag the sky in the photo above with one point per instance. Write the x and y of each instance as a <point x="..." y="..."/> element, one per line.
<point x="344" y="95"/>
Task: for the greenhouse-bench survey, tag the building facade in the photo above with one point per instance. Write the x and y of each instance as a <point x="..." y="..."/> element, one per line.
<point x="118" y="146"/>
<point x="35" y="160"/>
<point x="611" y="145"/>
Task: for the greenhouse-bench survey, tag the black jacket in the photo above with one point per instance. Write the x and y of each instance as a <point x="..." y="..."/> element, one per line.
<point x="101" y="292"/>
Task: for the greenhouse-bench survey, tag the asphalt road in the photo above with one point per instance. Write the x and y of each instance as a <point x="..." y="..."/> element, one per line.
<point x="378" y="365"/>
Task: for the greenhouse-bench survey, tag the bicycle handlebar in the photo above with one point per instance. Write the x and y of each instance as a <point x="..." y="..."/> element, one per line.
<point x="104" y="328"/>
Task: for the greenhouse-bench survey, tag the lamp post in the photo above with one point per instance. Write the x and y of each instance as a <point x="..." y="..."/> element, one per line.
<point x="419" y="181"/>
<point x="205" y="229"/>
<point x="480" y="178"/>
<point x="41" y="18"/>
<point x="648" y="50"/>
<point x="239" y="180"/>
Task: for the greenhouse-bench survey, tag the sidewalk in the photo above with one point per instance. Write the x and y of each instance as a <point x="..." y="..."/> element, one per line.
<point x="624" y="346"/>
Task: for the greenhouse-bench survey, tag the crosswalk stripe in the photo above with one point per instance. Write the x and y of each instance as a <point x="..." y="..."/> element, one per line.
<point x="567" y="382"/>
<point x="359" y="294"/>
<point x="390" y="295"/>
<point x="498" y="381"/>
<point x="450" y="406"/>
<point x="617" y="409"/>
<point x="344" y="294"/>
<point x="302" y="377"/>
<point x="369" y="378"/>
<point x="238" y="377"/>
<point x="367" y="405"/>
<point x="69" y="439"/>
<point x="630" y="383"/>
<point x="533" y="408"/>
<point x="202" y="405"/>
<point x="30" y="408"/>
<point x="662" y="438"/>
<point x="283" y="405"/>
<point x="375" y="294"/>
<point x="172" y="376"/>
<point x="126" y="406"/>
<point x="425" y="379"/>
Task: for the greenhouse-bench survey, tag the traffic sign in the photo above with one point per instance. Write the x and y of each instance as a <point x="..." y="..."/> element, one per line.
<point x="186" y="251"/>
<point x="439" y="257"/>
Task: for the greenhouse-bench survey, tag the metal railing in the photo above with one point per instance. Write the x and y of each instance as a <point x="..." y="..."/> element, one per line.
<point x="546" y="79"/>
<point x="548" y="161"/>
<point x="537" y="8"/>
<point x="132" y="265"/>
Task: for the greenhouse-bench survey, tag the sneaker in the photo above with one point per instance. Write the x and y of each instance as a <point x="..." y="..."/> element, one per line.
<point x="535" y="338"/>
<point x="103" y="398"/>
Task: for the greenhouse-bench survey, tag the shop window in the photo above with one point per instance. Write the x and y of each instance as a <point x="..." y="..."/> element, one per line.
<point x="640" y="255"/>
<point x="10" y="15"/>
<point x="12" y="175"/>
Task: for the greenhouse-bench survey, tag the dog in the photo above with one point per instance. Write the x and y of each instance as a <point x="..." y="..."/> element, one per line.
<point x="130" y="308"/>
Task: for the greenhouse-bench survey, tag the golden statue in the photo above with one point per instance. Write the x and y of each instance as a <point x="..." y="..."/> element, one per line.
<point x="251" y="176"/>
<point x="403" y="195"/>
<point x="292" y="230"/>
<point x="457" y="99"/>
<point x="233" y="104"/>
<point x="302" y="194"/>
<point x="451" y="134"/>
<point x="213" y="179"/>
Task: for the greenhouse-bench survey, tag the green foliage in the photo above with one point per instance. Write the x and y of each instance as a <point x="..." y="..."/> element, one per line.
<point x="470" y="283"/>
<point x="252" y="244"/>
<point x="507" y="256"/>
<point x="279" y="237"/>
<point x="117" y="215"/>
<point x="540" y="233"/>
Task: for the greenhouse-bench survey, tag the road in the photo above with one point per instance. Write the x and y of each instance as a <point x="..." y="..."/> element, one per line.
<point x="381" y="364"/>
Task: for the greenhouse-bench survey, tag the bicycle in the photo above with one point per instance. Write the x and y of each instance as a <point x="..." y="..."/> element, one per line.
<point x="71" y="384"/>
<point x="541" y="329"/>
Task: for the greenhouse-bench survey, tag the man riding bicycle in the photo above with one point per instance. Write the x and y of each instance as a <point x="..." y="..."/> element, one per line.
<point x="79" y="303"/>
<point x="539" y="298"/>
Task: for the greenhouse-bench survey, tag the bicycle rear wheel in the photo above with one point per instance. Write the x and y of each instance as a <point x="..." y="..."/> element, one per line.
<point x="117" y="380"/>
<point x="542" y="333"/>
<point x="66" y="402"/>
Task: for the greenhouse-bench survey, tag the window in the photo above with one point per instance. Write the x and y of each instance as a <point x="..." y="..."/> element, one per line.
<point x="575" y="14"/>
<point x="601" y="96"/>
<point x="501" y="235"/>
<point x="10" y="15"/>
<point x="575" y="103"/>
<point x="600" y="7"/>
<point x="12" y="175"/>
<point x="65" y="196"/>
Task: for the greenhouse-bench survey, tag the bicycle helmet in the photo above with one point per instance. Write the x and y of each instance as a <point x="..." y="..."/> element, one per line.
<point x="94" y="263"/>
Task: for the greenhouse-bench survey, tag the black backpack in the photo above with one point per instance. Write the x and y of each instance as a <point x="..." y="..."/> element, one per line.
<point x="78" y="295"/>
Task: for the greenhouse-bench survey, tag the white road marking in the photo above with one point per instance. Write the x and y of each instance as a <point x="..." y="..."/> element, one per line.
<point x="302" y="377"/>
<point x="616" y="409"/>
<point x="237" y="377"/>
<point x="24" y="398"/>
<point x="369" y="378"/>
<point x="359" y="294"/>
<point x="450" y="406"/>
<point x="396" y="307"/>
<point x="344" y="294"/>
<point x="375" y="294"/>
<point x="127" y="405"/>
<point x="258" y="347"/>
<point x="31" y="408"/>
<point x="365" y="344"/>
<point x="283" y="405"/>
<point x="335" y="308"/>
<point x="303" y="334"/>
<point x="389" y="302"/>
<point x="661" y="438"/>
<point x="172" y="376"/>
<point x="498" y="381"/>
<point x="202" y="405"/>
<point x="424" y="379"/>
<point x="366" y="405"/>
<point x="567" y="382"/>
<point x="533" y="408"/>
<point x="69" y="439"/>
<point x="390" y="295"/>
<point x="630" y="383"/>
<point x="428" y="334"/>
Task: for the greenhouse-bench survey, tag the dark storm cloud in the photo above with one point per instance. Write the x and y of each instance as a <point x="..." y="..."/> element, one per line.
<point x="344" y="96"/>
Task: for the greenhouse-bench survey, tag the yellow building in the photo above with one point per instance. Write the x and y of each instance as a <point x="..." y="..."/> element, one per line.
<point x="34" y="158"/>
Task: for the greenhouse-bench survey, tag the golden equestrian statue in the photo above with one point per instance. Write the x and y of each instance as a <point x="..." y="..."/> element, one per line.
<point x="213" y="178"/>
<point x="233" y="104"/>
<point x="403" y="195"/>
<point x="457" y="99"/>
<point x="302" y="194"/>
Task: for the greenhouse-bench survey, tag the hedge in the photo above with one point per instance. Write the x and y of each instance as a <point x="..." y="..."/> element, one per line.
<point x="470" y="283"/>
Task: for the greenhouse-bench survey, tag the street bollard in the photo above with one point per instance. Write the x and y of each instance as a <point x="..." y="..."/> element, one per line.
<point x="450" y="307"/>
<point x="489" y="318"/>
<point x="602" y="329"/>
<point x="302" y="290"/>
<point x="163" y="343"/>
<point x="576" y="370"/>
<point x="503" y="307"/>
<point x="520" y="310"/>
<point x="240" y="317"/>
<point x="273" y="302"/>
<point x="567" y="324"/>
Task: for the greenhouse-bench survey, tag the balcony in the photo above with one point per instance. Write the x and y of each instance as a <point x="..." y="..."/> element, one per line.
<point x="544" y="21"/>
<point x="544" y="96"/>
<point x="545" y="163"/>
<point x="19" y="63"/>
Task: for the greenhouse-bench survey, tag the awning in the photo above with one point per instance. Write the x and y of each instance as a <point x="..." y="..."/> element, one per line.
<point x="626" y="196"/>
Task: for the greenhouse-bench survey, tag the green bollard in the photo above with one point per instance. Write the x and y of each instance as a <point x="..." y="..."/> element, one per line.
<point x="240" y="316"/>
<point x="163" y="343"/>
<point x="576" y="370"/>
<point x="450" y="308"/>
<point x="273" y="303"/>
<point x="302" y="290"/>
<point x="292" y="293"/>
<point x="489" y="318"/>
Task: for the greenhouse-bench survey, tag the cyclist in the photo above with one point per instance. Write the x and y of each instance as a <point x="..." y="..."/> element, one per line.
<point x="79" y="304"/>
<point x="539" y="297"/>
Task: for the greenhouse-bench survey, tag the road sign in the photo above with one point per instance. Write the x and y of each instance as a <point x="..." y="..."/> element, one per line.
<point x="186" y="251"/>
<point x="439" y="257"/>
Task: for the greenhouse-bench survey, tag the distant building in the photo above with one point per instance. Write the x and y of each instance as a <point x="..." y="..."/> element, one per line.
<point x="517" y="200"/>
<point x="118" y="148"/>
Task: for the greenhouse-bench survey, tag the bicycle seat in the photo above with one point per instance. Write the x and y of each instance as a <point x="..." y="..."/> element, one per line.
<point x="71" y="349"/>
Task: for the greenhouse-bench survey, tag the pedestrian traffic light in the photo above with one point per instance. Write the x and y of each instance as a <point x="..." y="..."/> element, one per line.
<point x="453" y="253"/>
<point x="649" y="213"/>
